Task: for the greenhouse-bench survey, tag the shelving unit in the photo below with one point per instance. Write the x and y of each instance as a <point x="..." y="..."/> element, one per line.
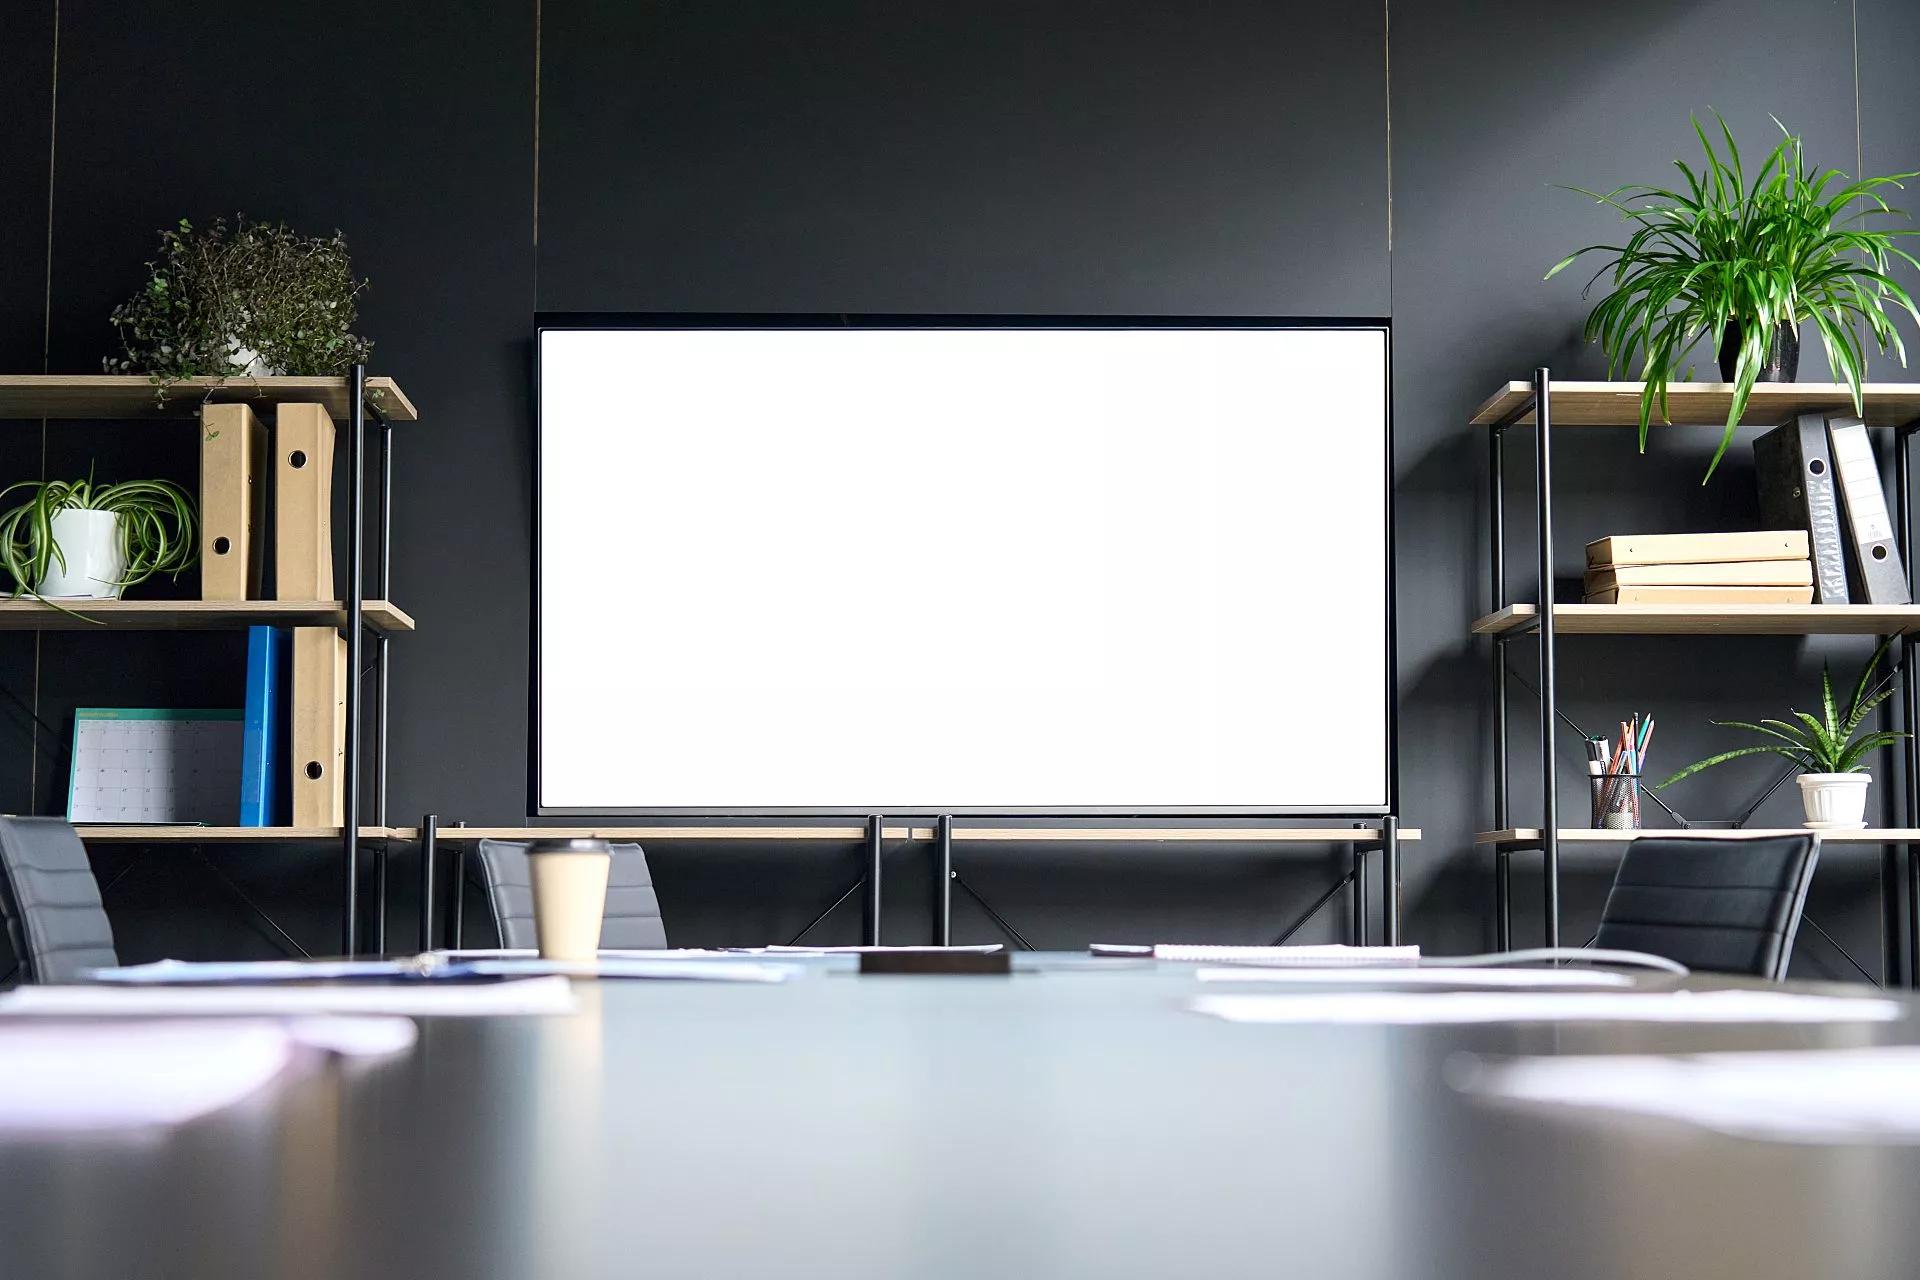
<point x="1544" y="404"/>
<point x="1385" y="834"/>
<point x="382" y="617"/>
<point x="363" y="402"/>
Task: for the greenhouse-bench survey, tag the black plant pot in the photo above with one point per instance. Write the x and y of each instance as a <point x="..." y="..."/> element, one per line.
<point x="1783" y="355"/>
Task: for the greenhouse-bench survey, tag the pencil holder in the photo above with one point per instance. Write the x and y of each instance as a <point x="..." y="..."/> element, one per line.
<point x="1616" y="801"/>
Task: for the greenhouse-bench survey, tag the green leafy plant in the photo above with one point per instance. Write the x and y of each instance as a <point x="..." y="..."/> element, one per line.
<point x="1829" y="743"/>
<point x="157" y="526"/>
<point x="253" y="298"/>
<point x="1750" y="257"/>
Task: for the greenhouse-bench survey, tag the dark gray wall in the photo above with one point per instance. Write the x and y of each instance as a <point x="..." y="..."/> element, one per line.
<point x="1236" y="156"/>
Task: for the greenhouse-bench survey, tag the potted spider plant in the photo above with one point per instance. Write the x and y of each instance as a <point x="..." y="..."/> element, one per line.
<point x="1827" y="748"/>
<point x="1742" y="264"/>
<point x="73" y="539"/>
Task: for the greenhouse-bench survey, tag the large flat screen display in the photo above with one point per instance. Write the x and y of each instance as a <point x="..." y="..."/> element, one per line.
<point x="1121" y="567"/>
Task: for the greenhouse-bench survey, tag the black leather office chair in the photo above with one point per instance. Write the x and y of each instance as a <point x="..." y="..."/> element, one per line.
<point x="1722" y="905"/>
<point x="50" y="901"/>
<point x="632" y="922"/>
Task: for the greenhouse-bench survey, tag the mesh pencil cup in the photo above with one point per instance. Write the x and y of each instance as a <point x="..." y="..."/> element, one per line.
<point x="1616" y="801"/>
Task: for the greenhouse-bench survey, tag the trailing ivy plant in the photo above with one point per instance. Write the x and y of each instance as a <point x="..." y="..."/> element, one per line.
<point x="255" y="297"/>
<point x="1750" y="257"/>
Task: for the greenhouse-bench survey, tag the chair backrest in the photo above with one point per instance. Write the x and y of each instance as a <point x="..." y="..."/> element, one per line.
<point x="1718" y="904"/>
<point x="52" y="902"/>
<point x="633" y="909"/>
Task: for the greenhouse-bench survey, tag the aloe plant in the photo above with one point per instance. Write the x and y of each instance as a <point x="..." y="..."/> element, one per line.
<point x="1729" y="255"/>
<point x="1828" y="743"/>
<point x="156" y="527"/>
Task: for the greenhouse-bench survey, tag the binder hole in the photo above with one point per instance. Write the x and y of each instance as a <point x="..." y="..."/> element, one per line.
<point x="1880" y="553"/>
<point x="298" y="458"/>
<point x="314" y="770"/>
<point x="1818" y="466"/>
<point x="221" y="546"/>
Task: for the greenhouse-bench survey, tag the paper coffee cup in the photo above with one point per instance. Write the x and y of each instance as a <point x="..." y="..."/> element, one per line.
<point x="569" y="896"/>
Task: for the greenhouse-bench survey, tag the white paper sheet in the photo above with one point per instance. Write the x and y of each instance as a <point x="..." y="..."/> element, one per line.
<point x="608" y="966"/>
<point x="1842" y="1095"/>
<point x="1441" y="1007"/>
<point x="983" y="948"/>
<point x="1438" y="976"/>
<point x="226" y="972"/>
<point x="1333" y="955"/>
<point x="423" y="999"/>
<point x="82" y="1077"/>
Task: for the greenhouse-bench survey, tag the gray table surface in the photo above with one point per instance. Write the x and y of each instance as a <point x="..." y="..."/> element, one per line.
<point x="1071" y="1121"/>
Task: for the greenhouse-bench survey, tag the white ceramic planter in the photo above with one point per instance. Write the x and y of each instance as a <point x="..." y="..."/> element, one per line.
<point x="94" y="554"/>
<point x="1835" y="800"/>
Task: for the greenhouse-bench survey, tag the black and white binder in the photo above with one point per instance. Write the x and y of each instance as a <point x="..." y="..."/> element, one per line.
<point x="1883" y="580"/>
<point x="1796" y="492"/>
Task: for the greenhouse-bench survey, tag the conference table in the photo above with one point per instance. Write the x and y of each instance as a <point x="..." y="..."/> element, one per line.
<point x="1075" y="1118"/>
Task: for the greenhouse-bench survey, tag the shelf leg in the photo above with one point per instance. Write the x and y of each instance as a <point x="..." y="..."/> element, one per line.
<point x="874" y="828"/>
<point x="350" y="762"/>
<point x="1390" y="878"/>
<point x="1890" y="926"/>
<point x="1359" y="895"/>
<point x="1502" y="899"/>
<point x="943" y="882"/>
<point x="1549" y="703"/>
<point x="1909" y="688"/>
<point x="429" y="854"/>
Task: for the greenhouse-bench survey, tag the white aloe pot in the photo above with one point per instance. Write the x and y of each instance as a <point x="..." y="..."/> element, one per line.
<point x="95" y="557"/>
<point x="1836" y="800"/>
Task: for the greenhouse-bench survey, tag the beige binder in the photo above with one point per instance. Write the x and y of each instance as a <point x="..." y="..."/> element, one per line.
<point x="303" y="503"/>
<point x="233" y="490"/>
<point x="319" y="737"/>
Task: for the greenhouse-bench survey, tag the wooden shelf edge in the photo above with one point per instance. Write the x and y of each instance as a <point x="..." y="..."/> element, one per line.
<point x="1587" y="835"/>
<point x="130" y="397"/>
<point x="1114" y="835"/>
<point x="27" y="614"/>
<point x="113" y="833"/>
<point x="1706" y="619"/>
<point x="1704" y="404"/>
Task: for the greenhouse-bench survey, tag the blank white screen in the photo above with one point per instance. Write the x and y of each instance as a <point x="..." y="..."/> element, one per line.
<point x="947" y="569"/>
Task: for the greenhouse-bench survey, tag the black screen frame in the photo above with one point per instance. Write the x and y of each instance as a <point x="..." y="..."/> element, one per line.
<point x="556" y="321"/>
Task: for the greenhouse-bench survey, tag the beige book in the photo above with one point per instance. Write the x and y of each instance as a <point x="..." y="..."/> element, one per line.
<point x="303" y="503"/>
<point x="319" y="731"/>
<point x="233" y="490"/>
<point x="1699" y="548"/>
<point x="1736" y="573"/>
<point x="1703" y="595"/>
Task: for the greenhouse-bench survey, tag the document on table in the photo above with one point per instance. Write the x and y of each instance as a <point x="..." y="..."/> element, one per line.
<point x="1445" y="1007"/>
<point x="982" y="948"/>
<point x="1437" y="976"/>
<point x="1814" y="1095"/>
<point x="173" y="973"/>
<point x="1334" y="955"/>
<point x="74" y="1077"/>
<point x="612" y="966"/>
<point x="419" y="999"/>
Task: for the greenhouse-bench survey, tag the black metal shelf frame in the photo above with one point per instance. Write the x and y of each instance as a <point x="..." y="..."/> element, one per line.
<point x="1894" y="969"/>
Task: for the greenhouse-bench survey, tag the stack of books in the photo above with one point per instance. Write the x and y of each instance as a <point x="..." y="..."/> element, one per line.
<point x="1764" y="567"/>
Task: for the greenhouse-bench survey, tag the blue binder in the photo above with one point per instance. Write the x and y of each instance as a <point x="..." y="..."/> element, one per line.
<point x="263" y="746"/>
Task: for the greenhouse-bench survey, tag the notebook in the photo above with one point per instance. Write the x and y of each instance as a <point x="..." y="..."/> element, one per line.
<point x="1332" y="956"/>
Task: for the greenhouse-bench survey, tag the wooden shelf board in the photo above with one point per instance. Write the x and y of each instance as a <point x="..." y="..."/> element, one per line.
<point x="132" y="396"/>
<point x="23" y="614"/>
<point x="1617" y="404"/>
<point x="1707" y="619"/>
<point x="108" y="833"/>
<point x="1117" y="835"/>
<point x="1586" y="835"/>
